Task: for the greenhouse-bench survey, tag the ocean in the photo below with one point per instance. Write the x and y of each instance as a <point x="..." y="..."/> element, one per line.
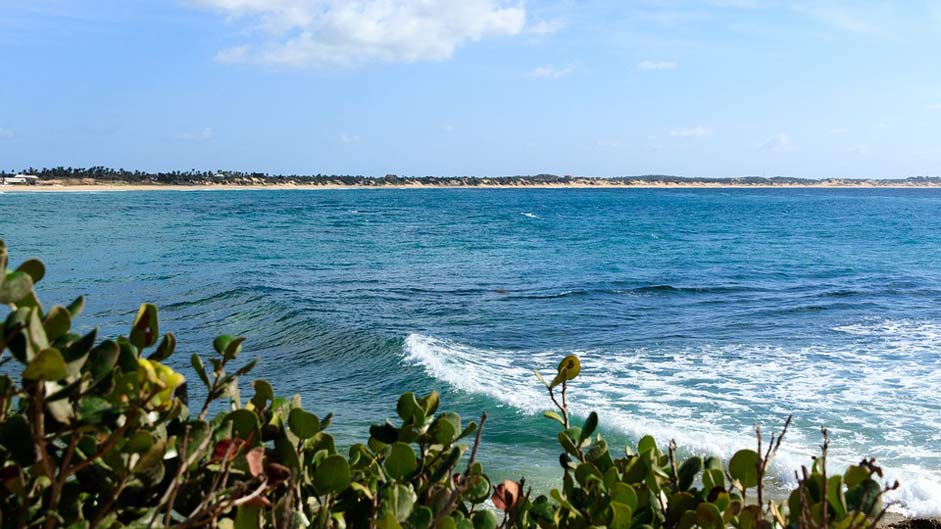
<point x="697" y="313"/>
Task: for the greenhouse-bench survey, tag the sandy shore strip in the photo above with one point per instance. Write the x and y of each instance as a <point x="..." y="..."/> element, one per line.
<point x="280" y="187"/>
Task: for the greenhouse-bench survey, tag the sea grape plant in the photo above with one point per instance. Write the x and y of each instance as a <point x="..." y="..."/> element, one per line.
<point x="648" y="488"/>
<point x="100" y="433"/>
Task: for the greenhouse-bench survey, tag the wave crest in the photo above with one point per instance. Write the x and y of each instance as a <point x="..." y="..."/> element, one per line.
<point x="709" y="398"/>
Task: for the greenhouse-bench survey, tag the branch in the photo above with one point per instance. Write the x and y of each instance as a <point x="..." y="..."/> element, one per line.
<point x="462" y="481"/>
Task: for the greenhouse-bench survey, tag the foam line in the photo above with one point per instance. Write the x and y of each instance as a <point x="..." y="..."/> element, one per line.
<point x="708" y="399"/>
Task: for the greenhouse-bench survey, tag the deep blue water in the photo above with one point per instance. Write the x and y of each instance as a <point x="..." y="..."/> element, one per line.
<point x="697" y="313"/>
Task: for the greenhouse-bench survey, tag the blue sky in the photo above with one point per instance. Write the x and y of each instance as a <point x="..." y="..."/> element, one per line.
<point x="815" y="88"/>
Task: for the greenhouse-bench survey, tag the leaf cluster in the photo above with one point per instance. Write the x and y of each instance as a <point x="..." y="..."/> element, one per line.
<point x="100" y="433"/>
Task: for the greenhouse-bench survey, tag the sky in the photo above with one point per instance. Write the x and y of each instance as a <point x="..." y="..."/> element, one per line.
<point x="713" y="88"/>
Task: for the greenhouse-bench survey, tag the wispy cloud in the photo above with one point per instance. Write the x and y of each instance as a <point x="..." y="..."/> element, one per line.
<point x="551" y="72"/>
<point x="779" y="143"/>
<point x="837" y="132"/>
<point x="935" y="106"/>
<point x="608" y="143"/>
<point x="204" y="134"/>
<point x="332" y="33"/>
<point x="348" y="138"/>
<point x="656" y="65"/>
<point x="691" y="132"/>
<point x="7" y="134"/>
<point x="843" y="18"/>
<point x="234" y="55"/>
<point x="545" y="27"/>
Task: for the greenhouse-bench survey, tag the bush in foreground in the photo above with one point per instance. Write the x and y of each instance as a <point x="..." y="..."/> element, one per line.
<point x="100" y="433"/>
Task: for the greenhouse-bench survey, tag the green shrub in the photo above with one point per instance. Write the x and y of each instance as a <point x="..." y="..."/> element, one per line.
<point x="100" y="433"/>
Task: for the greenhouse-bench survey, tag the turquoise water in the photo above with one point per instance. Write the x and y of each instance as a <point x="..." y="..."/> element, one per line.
<point x="697" y="313"/>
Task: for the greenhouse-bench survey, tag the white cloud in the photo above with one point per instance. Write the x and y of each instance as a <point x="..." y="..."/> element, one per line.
<point x="545" y="27"/>
<point x="348" y="138"/>
<point x="331" y="33"/>
<point x="7" y="134"/>
<point x="837" y="132"/>
<point x="234" y="55"/>
<point x="691" y="132"/>
<point x="780" y="143"/>
<point x="204" y="134"/>
<point x="936" y="106"/>
<point x="656" y="65"/>
<point x="551" y="72"/>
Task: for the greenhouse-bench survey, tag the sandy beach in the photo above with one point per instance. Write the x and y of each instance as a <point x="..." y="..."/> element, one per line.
<point x="77" y="188"/>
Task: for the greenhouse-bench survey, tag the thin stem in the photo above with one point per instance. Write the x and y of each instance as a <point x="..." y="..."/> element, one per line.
<point x="462" y="481"/>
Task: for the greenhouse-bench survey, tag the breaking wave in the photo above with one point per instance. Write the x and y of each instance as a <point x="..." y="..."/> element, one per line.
<point x="709" y="399"/>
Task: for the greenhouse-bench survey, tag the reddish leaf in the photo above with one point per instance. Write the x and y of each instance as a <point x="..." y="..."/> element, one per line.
<point x="260" y="501"/>
<point x="506" y="495"/>
<point x="277" y="473"/>
<point x="255" y="458"/>
<point x="226" y="449"/>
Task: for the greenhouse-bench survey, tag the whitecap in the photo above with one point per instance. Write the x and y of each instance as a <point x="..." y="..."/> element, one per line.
<point x="709" y="398"/>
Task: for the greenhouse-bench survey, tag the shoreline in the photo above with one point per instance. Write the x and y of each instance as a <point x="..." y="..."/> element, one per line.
<point x="78" y="188"/>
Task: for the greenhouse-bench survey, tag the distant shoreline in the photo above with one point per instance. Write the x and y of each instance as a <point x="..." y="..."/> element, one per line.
<point x="78" y="188"/>
<point x="106" y="179"/>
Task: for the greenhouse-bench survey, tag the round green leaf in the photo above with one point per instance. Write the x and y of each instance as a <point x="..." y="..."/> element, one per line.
<point x="855" y="475"/>
<point x="221" y="342"/>
<point x="140" y="442"/>
<point x="571" y="365"/>
<point x="304" y="424"/>
<point x="407" y="406"/>
<point x="228" y="346"/>
<point x="624" y="494"/>
<point x="620" y="516"/>
<point x="47" y="365"/>
<point x="446" y="427"/>
<point x="646" y="444"/>
<point x="146" y="328"/>
<point x="245" y="425"/>
<point x="709" y="517"/>
<point x="688" y="470"/>
<point x="332" y="475"/>
<point x="15" y="286"/>
<point x="34" y="268"/>
<point x="484" y="519"/>
<point x="589" y="427"/>
<point x="744" y="467"/>
<point x="57" y="322"/>
<point x="398" y="502"/>
<point x="401" y="461"/>
<point x="479" y="490"/>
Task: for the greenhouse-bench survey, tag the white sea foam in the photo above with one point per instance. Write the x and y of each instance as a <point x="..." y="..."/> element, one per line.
<point x="531" y="215"/>
<point x="874" y="403"/>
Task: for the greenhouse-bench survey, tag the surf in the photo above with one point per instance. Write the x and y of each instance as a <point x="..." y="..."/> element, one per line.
<point x="707" y="401"/>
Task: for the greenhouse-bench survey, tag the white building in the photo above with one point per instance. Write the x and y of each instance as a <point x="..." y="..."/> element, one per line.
<point x="20" y="179"/>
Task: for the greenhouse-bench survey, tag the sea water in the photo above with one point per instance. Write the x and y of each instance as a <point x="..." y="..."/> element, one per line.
<point x="697" y="313"/>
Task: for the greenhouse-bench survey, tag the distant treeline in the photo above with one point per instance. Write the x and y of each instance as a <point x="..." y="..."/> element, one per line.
<point x="104" y="175"/>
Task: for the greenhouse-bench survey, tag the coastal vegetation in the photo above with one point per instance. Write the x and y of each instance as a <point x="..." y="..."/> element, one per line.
<point x="102" y="433"/>
<point x="107" y="176"/>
